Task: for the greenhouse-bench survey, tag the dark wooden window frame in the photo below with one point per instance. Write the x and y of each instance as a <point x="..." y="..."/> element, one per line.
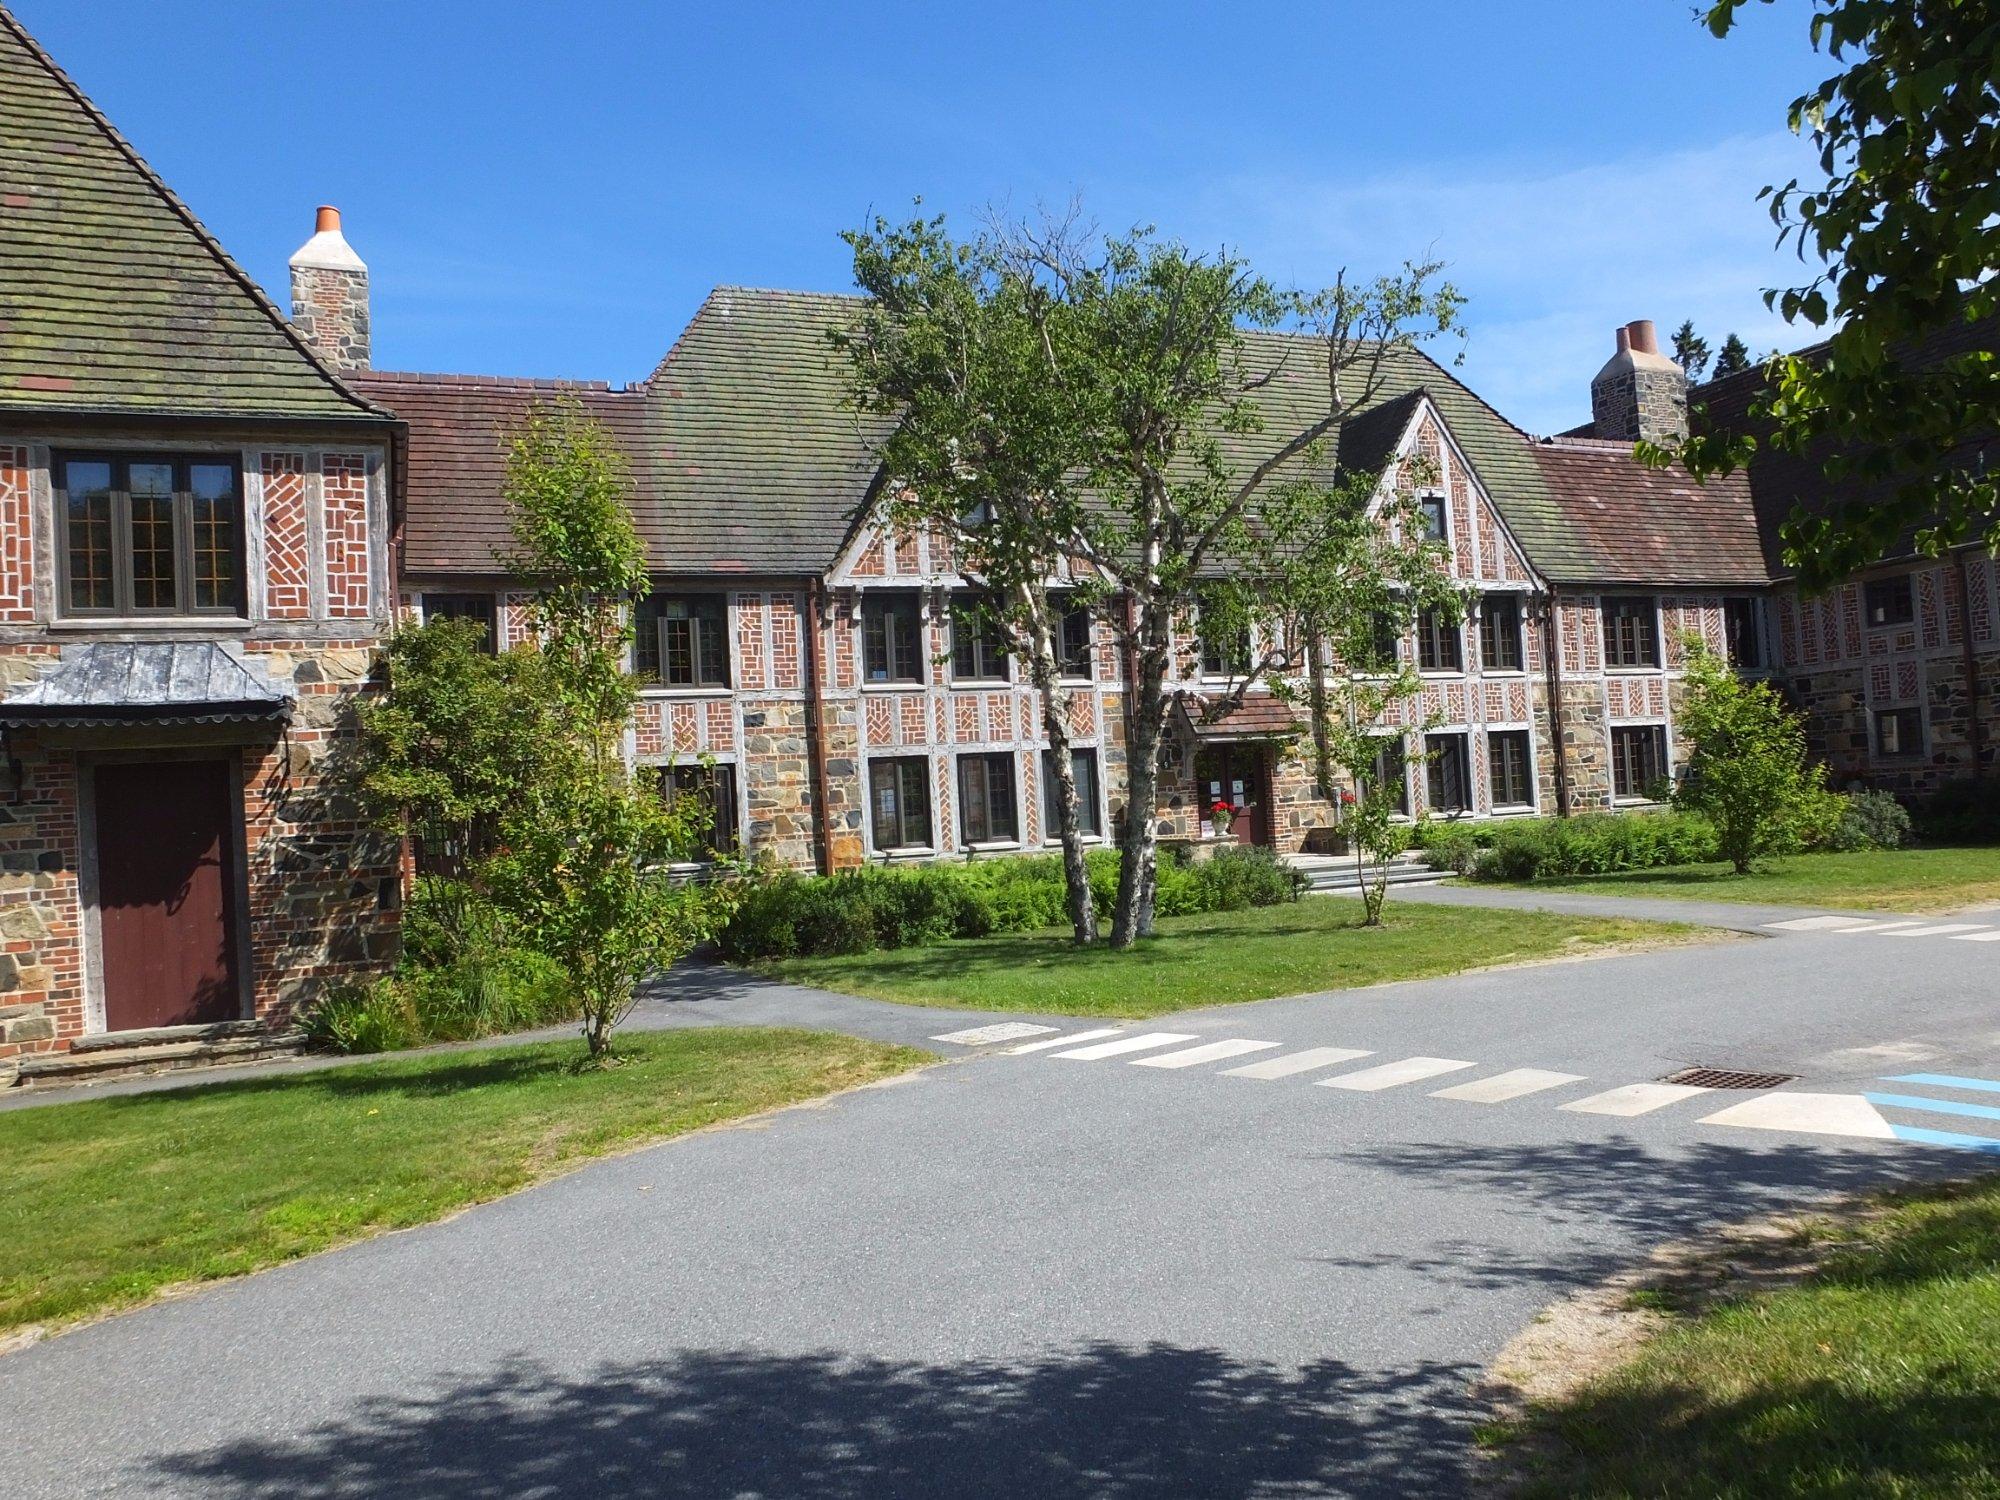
<point x="1447" y="759"/>
<point x="705" y="650"/>
<point x="120" y="522"/>
<point x="892" y="630"/>
<point x="1502" y="646"/>
<point x="1908" y="724"/>
<point x="1440" y="642"/>
<point x="1431" y="504"/>
<point x="1894" y="598"/>
<point x="462" y="605"/>
<point x="989" y="811"/>
<point x="1743" y="633"/>
<point x="1510" y="767"/>
<point x="1227" y="659"/>
<point x="1392" y="769"/>
<point x="1089" y="793"/>
<point x="1638" y="759"/>
<point x="908" y="777"/>
<point x="715" y="782"/>
<point x="1076" y="643"/>
<point x="1631" y="631"/>
<point x="979" y="650"/>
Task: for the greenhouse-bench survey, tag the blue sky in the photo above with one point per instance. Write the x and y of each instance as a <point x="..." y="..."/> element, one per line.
<point x="550" y="190"/>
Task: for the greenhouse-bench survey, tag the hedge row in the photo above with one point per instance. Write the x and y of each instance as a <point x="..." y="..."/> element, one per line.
<point x="915" y="905"/>
<point x="1600" y="843"/>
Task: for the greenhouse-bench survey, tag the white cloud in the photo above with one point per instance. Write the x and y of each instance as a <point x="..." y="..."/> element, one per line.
<point x="1552" y="260"/>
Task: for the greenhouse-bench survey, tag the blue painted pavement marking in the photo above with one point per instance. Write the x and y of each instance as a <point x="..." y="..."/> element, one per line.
<point x="1947" y="1081"/>
<point x="1945" y="1138"/>
<point x="1935" y="1106"/>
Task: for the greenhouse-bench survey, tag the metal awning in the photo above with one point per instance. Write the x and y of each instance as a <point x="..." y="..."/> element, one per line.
<point x="107" y="684"/>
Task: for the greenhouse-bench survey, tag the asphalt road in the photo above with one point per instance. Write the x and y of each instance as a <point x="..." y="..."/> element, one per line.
<point x="1027" y="1275"/>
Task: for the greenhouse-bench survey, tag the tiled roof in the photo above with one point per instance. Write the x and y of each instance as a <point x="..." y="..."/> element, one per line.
<point x="1258" y="716"/>
<point x="748" y="459"/>
<point x="113" y="298"/>
<point x="1781" y="483"/>
<point x="454" y="519"/>
<point x="1628" y="523"/>
<point x="103" y="683"/>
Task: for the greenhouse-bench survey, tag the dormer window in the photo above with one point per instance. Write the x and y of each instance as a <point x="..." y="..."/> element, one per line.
<point x="153" y="534"/>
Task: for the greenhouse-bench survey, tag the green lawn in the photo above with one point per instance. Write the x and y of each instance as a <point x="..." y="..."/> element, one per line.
<point x="1317" y="944"/>
<point x="109" y="1200"/>
<point x="1880" y="1376"/>
<point x="1922" y="880"/>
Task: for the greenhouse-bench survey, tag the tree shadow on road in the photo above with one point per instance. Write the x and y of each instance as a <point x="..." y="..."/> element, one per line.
<point x="1109" y="1421"/>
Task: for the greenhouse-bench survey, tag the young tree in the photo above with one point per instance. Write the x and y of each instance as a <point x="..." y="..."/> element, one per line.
<point x="1691" y="351"/>
<point x="1747" y="770"/>
<point x="1149" y="410"/>
<point x="580" y="868"/>
<point x="1733" y="360"/>
<point x="1905" y="233"/>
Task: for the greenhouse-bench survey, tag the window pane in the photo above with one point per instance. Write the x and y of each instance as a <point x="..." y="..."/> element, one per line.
<point x="1074" y="647"/>
<point x="479" y="608"/>
<point x="88" y="534"/>
<point x="714" y="642"/>
<point x="677" y="651"/>
<point x="916" y="800"/>
<point x="1500" y="635"/>
<point x="884" y="792"/>
<point x="1000" y="819"/>
<point x="213" y="523"/>
<point x="152" y="490"/>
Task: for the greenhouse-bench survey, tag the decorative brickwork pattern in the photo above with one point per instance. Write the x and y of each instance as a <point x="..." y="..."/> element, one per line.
<point x="287" y="556"/>
<point x="17" y="538"/>
<point x="344" y="503"/>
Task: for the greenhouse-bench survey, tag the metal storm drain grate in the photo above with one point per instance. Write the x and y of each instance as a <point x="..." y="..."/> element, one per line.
<point x="1723" y="1078"/>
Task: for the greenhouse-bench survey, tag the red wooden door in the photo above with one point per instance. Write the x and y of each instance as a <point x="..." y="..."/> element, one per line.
<point x="166" y="883"/>
<point x="1237" y="775"/>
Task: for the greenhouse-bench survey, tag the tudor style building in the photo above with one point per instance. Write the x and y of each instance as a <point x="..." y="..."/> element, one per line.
<point x="194" y="516"/>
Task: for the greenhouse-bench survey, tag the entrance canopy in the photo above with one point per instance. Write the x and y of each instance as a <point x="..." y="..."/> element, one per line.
<point x="109" y="684"/>
<point x="1260" y="716"/>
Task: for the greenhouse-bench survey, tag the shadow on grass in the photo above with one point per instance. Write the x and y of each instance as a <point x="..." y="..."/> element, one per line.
<point x="1104" y="1420"/>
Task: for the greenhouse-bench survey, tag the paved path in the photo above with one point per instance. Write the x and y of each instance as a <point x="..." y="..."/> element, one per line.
<point x="1125" y="1272"/>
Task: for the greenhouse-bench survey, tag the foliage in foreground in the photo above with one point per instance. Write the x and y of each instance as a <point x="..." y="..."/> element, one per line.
<point x="859" y="911"/>
<point x="109" y="1201"/>
<point x="1747" y="770"/>
<point x="1880" y="1375"/>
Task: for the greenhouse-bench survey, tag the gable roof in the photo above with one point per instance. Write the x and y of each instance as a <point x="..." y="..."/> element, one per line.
<point x="113" y="298"/>
<point x="1632" y="524"/>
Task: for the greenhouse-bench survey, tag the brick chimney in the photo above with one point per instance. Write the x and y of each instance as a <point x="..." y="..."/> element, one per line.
<point x="1639" y="393"/>
<point x="330" y="295"/>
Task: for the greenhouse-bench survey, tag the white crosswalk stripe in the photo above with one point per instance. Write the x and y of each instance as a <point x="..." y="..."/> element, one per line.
<point x="1991" y="935"/>
<point x="1635" y="1099"/>
<point x="1504" y="1086"/>
<point x="1882" y="926"/>
<point x="1938" y="931"/>
<point x="1119" y="1048"/>
<point x="999" y="1031"/>
<point x="1207" y="1052"/>
<point x="1816" y="924"/>
<point x="1065" y="1041"/>
<point x="1297" y="1062"/>
<point x="1393" y="1075"/>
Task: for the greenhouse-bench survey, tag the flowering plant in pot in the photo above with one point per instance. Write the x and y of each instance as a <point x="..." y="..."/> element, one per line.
<point x="1220" y="816"/>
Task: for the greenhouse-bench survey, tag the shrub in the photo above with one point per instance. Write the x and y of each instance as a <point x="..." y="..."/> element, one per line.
<point x="788" y="915"/>
<point x="489" y="994"/>
<point x="1870" y="820"/>
<point x="1595" y="844"/>
<point x="371" y="1017"/>
<point x="1452" y="846"/>
<point x="1965" y="811"/>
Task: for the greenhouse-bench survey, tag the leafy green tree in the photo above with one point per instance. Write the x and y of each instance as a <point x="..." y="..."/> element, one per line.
<point x="1747" y="770"/>
<point x="581" y="868"/>
<point x="568" y="492"/>
<point x="446" y="750"/>
<point x="1147" y="390"/>
<point x="1905" y="230"/>
<point x="1691" y="351"/>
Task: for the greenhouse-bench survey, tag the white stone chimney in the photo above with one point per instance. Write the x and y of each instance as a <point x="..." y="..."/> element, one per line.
<point x="330" y="295"/>
<point x="1639" y="393"/>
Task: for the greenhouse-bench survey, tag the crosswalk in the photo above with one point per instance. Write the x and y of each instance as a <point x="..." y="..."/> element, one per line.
<point x="1898" y="927"/>
<point x="1889" y="1114"/>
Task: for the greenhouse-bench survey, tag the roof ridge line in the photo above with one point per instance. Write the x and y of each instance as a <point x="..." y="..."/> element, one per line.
<point x="181" y="211"/>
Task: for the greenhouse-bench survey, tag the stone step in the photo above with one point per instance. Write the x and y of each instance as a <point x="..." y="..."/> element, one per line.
<point x="81" y="1065"/>
<point x="1344" y="879"/>
<point x="149" y="1036"/>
